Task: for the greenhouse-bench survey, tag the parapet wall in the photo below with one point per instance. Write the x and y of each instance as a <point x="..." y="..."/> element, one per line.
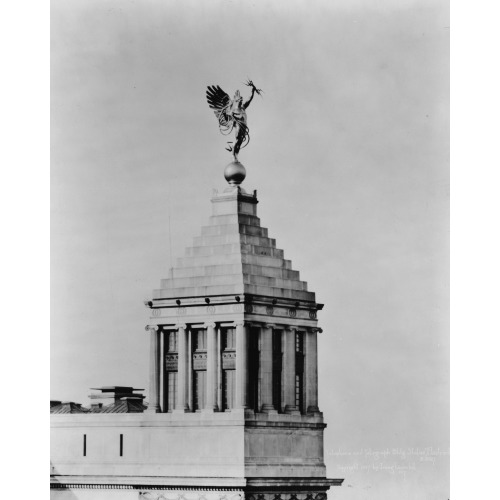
<point x="193" y="449"/>
<point x="148" y="448"/>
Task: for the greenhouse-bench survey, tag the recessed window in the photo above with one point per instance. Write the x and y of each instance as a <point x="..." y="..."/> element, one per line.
<point x="299" y="370"/>
<point x="199" y="340"/>
<point x="121" y="445"/>
<point x="228" y="340"/>
<point x="172" y="341"/>
<point x="171" y="389"/>
<point x="228" y="368"/>
<point x="85" y="445"/>
<point x="253" y="370"/>
<point x="277" y="367"/>
<point x="170" y="373"/>
<point x="228" y="389"/>
<point x="199" y="389"/>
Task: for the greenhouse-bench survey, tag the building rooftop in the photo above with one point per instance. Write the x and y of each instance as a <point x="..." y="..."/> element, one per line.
<point x="67" y="407"/>
<point x="125" y="405"/>
<point x="125" y="400"/>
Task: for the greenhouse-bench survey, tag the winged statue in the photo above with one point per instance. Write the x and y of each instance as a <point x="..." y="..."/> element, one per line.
<point x="231" y="114"/>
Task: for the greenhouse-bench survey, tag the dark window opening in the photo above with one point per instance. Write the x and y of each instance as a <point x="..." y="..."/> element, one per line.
<point x="253" y="370"/>
<point x="170" y="373"/>
<point x="277" y="364"/>
<point x="228" y="344"/>
<point x="299" y="342"/>
<point x="199" y="364"/>
<point x="199" y="389"/>
<point x="121" y="445"/>
<point x="299" y="391"/>
<point x="299" y="371"/>
<point x="85" y="445"/>
<point x="171" y="390"/>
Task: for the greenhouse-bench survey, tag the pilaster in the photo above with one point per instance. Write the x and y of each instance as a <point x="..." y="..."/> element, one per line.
<point x="311" y="371"/>
<point x="154" y="369"/>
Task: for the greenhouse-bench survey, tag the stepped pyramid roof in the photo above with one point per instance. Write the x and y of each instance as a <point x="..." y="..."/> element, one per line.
<point x="234" y="255"/>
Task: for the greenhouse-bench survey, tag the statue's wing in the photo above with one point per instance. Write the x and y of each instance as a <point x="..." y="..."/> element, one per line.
<point x="219" y="101"/>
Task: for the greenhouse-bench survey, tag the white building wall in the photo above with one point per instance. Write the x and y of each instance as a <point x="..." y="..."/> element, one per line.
<point x="172" y="446"/>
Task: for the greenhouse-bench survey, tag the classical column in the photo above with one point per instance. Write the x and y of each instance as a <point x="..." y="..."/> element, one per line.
<point x="163" y="371"/>
<point x="154" y="370"/>
<point x="266" y="368"/>
<point x="211" y="399"/>
<point x="311" y="370"/>
<point x="289" y="369"/>
<point x="241" y="365"/>
<point x="219" y="368"/>
<point x="190" y="401"/>
<point x="182" y="349"/>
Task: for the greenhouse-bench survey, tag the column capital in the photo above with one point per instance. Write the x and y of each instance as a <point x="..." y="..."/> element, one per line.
<point x="291" y="328"/>
<point x="239" y="323"/>
<point x="269" y="325"/>
<point x="210" y="324"/>
<point x="315" y="329"/>
<point x="151" y="327"/>
<point x="181" y="325"/>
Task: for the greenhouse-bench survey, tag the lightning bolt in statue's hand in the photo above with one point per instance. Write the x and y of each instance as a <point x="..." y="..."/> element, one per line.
<point x="249" y="83"/>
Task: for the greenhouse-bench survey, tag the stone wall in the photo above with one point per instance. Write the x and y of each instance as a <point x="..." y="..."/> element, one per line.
<point x="195" y="449"/>
<point x="164" y="446"/>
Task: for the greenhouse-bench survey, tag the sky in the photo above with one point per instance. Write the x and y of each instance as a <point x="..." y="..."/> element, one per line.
<point x="349" y="154"/>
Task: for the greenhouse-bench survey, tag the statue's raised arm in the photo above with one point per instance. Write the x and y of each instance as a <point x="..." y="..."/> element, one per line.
<point x="254" y="90"/>
<point x="231" y="114"/>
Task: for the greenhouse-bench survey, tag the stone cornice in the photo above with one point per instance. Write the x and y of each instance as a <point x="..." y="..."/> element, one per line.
<point x="284" y="425"/>
<point x="139" y="483"/>
<point x="229" y="298"/>
<point x="291" y="482"/>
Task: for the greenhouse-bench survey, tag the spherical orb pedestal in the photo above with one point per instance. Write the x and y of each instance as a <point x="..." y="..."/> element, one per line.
<point x="235" y="173"/>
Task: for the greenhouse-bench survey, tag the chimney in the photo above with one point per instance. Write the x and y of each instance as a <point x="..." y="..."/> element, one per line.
<point x="115" y="393"/>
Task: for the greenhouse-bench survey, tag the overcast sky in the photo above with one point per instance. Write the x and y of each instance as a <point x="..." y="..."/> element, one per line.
<point x="349" y="154"/>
